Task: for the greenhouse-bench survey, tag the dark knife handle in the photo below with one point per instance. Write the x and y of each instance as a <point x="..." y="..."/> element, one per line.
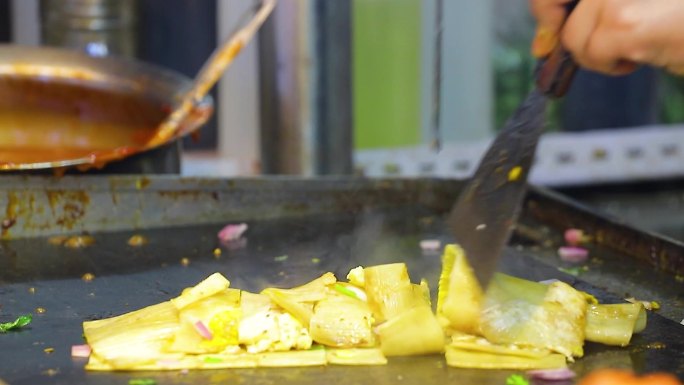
<point x="555" y="72"/>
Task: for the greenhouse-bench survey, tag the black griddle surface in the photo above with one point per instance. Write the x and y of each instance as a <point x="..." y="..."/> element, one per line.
<point x="128" y="278"/>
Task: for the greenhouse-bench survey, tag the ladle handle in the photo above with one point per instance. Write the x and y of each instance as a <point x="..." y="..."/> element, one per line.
<point x="210" y="73"/>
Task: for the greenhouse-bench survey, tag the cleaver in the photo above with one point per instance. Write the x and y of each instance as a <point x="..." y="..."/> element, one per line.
<point x="486" y="211"/>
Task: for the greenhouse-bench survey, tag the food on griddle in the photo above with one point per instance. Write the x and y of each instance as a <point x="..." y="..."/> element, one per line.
<point x="88" y="277"/>
<point x="377" y="313"/>
<point x="322" y="322"/>
<point x="232" y="232"/>
<point x="575" y="237"/>
<point x="573" y="254"/>
<point x="529" y="324"/>
<point x="80" y="351"/>
<point x="74" y="242"/>
<point x="516" y="379"/>
<point x="78" y="241"/>
<point x="137" y="240"/>
<point x="551" y="375"/>
<point x="430" y="245"/>
<point x="649" y="305"/>
<point x="57" y="240"/>
<point x="17" y="324"/>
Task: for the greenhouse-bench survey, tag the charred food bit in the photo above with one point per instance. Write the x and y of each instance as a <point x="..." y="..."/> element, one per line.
<point x="88" y="277"/>
<point x="57" y="240"/>
<point x="79" y="241"/>
<point x="137" y="240"/>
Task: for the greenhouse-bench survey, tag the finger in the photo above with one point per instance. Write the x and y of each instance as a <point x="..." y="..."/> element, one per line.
<point x="676" y="69"/>
<point x="599" y="40"/>
<point x="579" y="28"/>
<point x="605" y="52"/>
<point x="544" y="42"/>
<point x="550" y="15"/>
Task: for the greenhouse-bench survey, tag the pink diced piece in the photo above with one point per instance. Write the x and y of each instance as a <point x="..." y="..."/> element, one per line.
<point x="203" y="330"/>
<point x="551" y="374"/>
<point x="573" y="254"/>
<point x="80" y="351"/>
<point x="574" y="237"/>
<point x="232" y="232"/>
<point x="430" y="244"/>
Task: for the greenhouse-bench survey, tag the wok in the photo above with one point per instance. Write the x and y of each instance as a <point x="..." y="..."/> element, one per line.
<point x="61" y="108"/>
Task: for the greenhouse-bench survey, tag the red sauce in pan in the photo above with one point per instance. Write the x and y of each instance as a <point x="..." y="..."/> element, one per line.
<point x="49" y="121"/>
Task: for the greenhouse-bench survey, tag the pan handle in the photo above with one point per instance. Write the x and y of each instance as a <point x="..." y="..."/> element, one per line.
<point x="555" y="72"/>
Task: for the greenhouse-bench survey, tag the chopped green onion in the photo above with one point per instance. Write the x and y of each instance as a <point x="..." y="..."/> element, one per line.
<point x="577" y="270"/>
<point x="343" y="290"/>
<point x="213" y="360"/>
<point x="281" y="258"/>
<point x="142" y="381"/>
<point x="17" y="324"/>
<point x="516" y="379"/>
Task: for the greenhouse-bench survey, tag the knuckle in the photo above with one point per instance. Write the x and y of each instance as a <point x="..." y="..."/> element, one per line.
<point x="620" y="15"/>
<point x="570" y="43"/>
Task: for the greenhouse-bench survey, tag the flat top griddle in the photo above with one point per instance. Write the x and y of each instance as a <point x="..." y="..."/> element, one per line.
<point x="343" y="225"/>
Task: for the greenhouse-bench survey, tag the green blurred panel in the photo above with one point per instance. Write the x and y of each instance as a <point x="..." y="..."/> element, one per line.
<point x="386" y="73"/>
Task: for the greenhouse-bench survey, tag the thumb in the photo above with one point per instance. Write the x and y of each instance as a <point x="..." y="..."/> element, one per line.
<point x="544" y="41"/>
<point x="550" y="15"/>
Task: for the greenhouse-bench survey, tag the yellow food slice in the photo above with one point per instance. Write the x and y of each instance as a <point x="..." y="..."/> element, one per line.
<point x="460" y="358"/>
<point x="479" y="344"/>
<point x="614" y="324"/>
<point x="555" y="321"/>
<point x="414" y="332"/>
<point x="342" y="322"/>
<point x="355" y="356"/>
<point x="312" y="357"/>
<point x="213" y="284"/>
<point x="389" y="291"/>
<point x="459" y="298"/>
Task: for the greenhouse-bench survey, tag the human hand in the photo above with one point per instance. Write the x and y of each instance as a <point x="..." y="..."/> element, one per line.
<point x="613" y="36"/>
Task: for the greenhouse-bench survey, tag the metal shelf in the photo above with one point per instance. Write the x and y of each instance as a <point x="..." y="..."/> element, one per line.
<point x="563" y="159"/>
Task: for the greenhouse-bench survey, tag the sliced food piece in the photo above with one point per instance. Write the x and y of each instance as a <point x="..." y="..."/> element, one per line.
<point x="213" y="284"/>
<point x="273" y="330"/>
<point x="342" y="322"/>
<point x="479" y="344"/>
<point x="389" y="291"/>
<point x="459" y="297"/>
<point x="614" y="324"/>
<point x="133" y="338"/>
<point x="301" y="310"/>
<point x="299" y="300"/>
<point x="515" y="313"/>
<point x="414" y="332"/>
<point x="461" y="358"/>
<point x="208" y="325"/>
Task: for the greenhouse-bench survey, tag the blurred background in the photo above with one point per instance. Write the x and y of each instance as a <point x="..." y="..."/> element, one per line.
<point x="401" y="88"/>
